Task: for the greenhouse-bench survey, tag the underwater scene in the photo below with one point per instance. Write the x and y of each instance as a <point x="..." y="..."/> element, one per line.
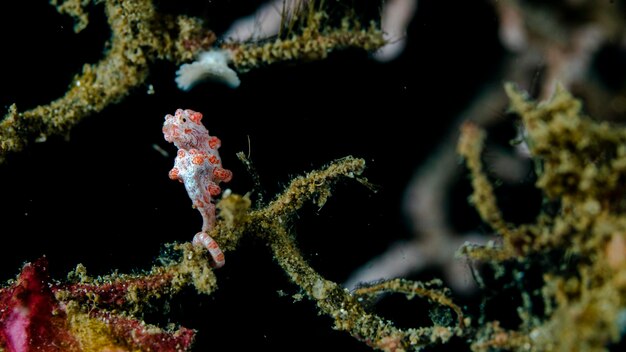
<point x="312" y="175"/>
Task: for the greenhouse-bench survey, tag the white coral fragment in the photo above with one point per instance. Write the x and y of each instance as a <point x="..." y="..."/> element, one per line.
<point x="211" y="65"/>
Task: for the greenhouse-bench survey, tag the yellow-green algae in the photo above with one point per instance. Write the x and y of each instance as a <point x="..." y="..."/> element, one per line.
<point x="581" y="248"/>
<point x="306" y="35"/>
<point x="271" y="223"/>
<point x="582" y="168"/>
<point x="140" y="36"/>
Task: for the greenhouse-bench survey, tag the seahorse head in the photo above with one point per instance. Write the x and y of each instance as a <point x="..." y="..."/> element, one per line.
<point x="185" y="129"/>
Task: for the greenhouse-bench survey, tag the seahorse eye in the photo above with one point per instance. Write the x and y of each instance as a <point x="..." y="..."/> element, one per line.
<point x="184" y="119"/>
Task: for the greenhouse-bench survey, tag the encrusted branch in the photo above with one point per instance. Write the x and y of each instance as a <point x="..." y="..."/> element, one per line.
<point x="580" y="247"/>
<point x="272" y="223"/>
<point x="314" y="41"/>
<point x="139" y="35"/>
<point x="471" y="147"/>
<point x="411" y="289"/>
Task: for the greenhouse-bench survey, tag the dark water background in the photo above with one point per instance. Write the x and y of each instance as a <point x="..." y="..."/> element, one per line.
<point x="102" y="197"/>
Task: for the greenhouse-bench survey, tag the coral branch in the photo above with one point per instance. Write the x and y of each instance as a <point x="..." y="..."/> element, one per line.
<point x="306" y="37"/>
<point x="344" y="308"/>
<point x="132" y="293"/>
<point x="582" y="166"/>
<point x="410" y="289"/>
<point x="471" y="146"/>
<point x="315" y="184"/>
<point x="139" y="36"/>
<point x="332" y="299"/>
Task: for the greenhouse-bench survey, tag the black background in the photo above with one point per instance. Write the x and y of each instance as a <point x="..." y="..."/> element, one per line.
<point x="101" y="196"/>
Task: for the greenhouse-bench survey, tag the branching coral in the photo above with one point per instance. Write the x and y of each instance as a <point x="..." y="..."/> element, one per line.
<point x="88" y="302"/>
<point x="84" y="313"/>
<point x="140" y="36"/>
<point x="313" y="42"/>
<point x="546" y="43"/>
<point x="577" y="300"/>
<point x="331" y="298"/>
<point x="568" y="267"/>
<point x="581" y="169"/>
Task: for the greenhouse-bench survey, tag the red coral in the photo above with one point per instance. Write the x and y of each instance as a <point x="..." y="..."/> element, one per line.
<point x="114" y="293"/>
<point x="31" y="316"/>
<point x="33" y="319"/>
<point x="137" y="334"/>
